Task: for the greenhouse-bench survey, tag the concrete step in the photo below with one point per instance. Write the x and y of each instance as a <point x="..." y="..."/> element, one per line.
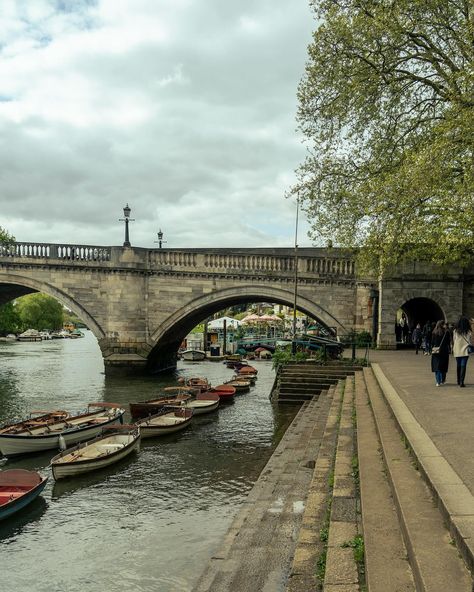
<point x="383" y="540"/>
<point x="285" y="376"/>
<point x="304" y="388"/>
<point x="434" y="559"/>
<point x="296" y="395"/>
<point x="303" y="576"/>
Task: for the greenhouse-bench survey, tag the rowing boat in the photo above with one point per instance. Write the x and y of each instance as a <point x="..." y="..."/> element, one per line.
<point x="168" y="421"/>
<point x="111" y="446"/>
<point x="18" y="488"/>
<point x="61" y="433"/>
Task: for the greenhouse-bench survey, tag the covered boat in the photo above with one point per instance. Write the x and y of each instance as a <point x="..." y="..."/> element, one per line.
<point x="61" y="433"/>
<point x="111" y="446"/>
<point x="168" y="421"/>
<point x="18" y="488"/>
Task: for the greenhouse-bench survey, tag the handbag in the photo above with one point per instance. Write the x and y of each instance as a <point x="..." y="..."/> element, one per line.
<point x="470" y="348"/>
<point x="436" y="348"/>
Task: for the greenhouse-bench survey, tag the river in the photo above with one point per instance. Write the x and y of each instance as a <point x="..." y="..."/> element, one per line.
<point x="151" y="522"/>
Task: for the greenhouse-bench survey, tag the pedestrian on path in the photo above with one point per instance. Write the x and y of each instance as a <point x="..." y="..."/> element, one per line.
<point x="427" y="331"/>
<point x="440" y="350"/>
<point x="417" y="337"/>
<point x="461" y="347"/>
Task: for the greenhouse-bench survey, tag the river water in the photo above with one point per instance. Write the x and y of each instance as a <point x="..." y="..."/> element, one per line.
<point x="151" y="522"/>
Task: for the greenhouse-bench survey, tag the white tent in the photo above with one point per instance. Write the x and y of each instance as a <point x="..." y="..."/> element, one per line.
<point x="219" y="323"/>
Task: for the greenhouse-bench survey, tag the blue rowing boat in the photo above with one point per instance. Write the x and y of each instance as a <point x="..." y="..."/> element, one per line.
<point x="18" y="488"/>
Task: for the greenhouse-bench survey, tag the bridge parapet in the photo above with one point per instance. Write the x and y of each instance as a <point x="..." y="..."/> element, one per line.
<point x="56" y="251"/>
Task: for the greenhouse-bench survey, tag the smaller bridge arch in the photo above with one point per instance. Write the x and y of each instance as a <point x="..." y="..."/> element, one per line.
<point x="17" y="286"/>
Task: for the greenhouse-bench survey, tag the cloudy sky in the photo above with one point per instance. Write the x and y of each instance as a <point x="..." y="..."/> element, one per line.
<point x="185" y="109"/>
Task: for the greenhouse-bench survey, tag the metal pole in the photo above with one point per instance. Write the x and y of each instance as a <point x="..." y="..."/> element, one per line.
<point x="293" y="343"/>
<point x="127" y="238"/>
<point x="225" y="337"/>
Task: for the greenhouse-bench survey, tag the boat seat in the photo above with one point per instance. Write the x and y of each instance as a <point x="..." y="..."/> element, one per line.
<point x="111" y="445"/>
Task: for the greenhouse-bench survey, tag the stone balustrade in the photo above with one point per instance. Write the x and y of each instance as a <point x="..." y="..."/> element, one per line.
<point x="311" y="262"/>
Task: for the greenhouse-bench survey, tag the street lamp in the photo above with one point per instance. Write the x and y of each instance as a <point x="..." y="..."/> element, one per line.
<point x="293" y="343"/>
<point x="126" y="219"/>
<point x="160" y="240"/>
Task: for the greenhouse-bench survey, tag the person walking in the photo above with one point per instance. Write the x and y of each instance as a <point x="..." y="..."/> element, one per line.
<point x="440" y="350"/>
<point x="417" y="337"/>
<point x="462" y="343"/>
<point x="427" y="330"/>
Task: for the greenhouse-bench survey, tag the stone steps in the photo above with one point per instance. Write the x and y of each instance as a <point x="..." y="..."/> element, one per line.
<point x="257" y="550"/>
<point x="435" y="563"/>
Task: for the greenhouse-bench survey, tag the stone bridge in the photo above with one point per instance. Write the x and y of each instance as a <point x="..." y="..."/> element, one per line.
<point x="140" y="303"/>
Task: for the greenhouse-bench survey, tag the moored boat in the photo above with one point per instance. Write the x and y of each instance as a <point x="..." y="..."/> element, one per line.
<point x="225" y="391"/>
<point x="111" y="446"/>
<point x="18" y="488"/>
<point x="36" y="418"/>
<point x="203" y="403"/>
<point x="193" y="355"/>
<point x="196" y="382"/>
<point x="153" y="406"/>
<point x="167" y="421"/>
<point x="240" y="385"/>
<point x="61" y="433"/>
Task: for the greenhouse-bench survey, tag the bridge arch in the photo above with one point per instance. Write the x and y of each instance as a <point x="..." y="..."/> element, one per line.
<point x="169" y="335"/>
<point x="28" y="285"/>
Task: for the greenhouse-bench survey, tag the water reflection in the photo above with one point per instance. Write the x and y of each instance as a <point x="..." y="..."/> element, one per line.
<point x="159" y="515"/>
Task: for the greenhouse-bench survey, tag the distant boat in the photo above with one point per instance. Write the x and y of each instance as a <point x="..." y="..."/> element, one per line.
<point x="29" y="335"/>
<point x="167" y="421"/>
<point x="104" y="450"/>
<point x="18" y="488"/>
<point x="193" y="355"/>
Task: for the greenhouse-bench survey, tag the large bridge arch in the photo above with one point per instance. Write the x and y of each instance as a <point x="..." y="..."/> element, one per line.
<point x="28" y="285"/>
<point x="174" y="329"/>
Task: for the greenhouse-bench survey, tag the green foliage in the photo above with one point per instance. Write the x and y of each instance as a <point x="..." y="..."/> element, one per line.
<point x="40" y="311"/>
<point x="284" y="356"/>
<point x="357" y="543"/>
<point x="10" y="321"/>
<point x="387" y="107"/>
<point x="5" y="237"/>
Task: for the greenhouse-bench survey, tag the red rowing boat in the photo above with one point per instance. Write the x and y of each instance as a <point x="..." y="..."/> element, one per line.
<point x="224" y="391"/>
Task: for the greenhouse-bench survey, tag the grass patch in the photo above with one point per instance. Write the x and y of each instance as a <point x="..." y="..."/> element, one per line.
<point x="357" y="543"/>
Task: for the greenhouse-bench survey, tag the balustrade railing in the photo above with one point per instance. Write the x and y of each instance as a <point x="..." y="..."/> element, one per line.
<point x="240" y="261"/>
<point x="55" y="251"/>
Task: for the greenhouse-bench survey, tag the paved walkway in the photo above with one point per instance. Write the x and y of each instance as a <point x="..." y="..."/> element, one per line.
<point x="446" y="413"/>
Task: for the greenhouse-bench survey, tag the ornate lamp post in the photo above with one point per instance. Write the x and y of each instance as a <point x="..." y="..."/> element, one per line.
<point x="126" y="219"/>
<point x="160" y="240"/>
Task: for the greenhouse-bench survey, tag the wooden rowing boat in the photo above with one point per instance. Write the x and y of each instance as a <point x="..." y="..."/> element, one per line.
<point x="153" y="406"/>
<point x="61" y="433"/>
<point x="203" y="403"/>
<point x="111" y="446"/>
<point x="224" y="391"/>
<point x="35" y="419"/>
<point x="168" y="421"/>
<point x="240" y="385"/>
<point x="196" y="382"/>
<point x="18" y="488"/>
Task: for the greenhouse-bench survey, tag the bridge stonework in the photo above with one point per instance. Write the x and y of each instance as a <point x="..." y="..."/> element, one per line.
<point x="141" y="303"/>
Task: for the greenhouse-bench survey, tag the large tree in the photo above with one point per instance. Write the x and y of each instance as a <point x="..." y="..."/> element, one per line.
<point x="40" y="311"/>
<point x="387" y="107"/>
<point x="10" y="321"/>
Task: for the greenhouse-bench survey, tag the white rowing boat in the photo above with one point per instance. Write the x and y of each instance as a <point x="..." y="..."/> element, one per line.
<point x="168" y="421"/>
<point x="62" y="433"/>
<point x="105" y="450"/>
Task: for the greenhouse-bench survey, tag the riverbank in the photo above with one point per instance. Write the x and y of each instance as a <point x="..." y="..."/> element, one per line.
<point x="361" y="511"/>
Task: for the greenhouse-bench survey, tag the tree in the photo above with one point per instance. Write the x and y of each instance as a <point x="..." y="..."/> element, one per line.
<point x="387" y="107"/>
<point x="40" y="311"/>
<point x="6" y="238"/>
<point x="10" y="321"/>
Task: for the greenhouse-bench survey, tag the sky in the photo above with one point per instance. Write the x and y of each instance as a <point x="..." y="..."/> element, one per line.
<point x="184" y="109"/>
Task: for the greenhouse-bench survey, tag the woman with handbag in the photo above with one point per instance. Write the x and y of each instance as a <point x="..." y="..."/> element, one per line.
<point x="440" y="350"/>
<point x="462" y="347"/>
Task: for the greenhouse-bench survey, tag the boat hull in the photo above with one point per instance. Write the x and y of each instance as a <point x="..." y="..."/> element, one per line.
<point x="193" y="355"/>
<point x="17" y="504"/>
<point x="79" y="467"/>
<point x="165" y="423"/>
<point x="17" y="444"/>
